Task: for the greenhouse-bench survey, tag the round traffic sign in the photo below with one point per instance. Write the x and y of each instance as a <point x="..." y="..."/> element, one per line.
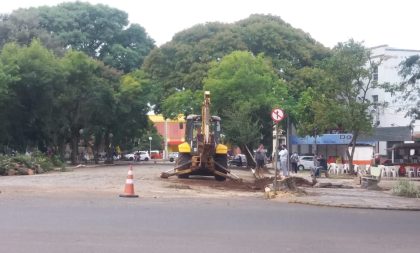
<point x="277" y="115"/>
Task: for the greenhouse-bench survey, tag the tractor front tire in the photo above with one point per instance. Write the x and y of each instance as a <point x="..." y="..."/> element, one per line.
<point x="222" y="160"/>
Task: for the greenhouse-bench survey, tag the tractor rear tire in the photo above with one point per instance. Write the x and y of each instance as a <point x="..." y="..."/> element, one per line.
<point x="182" y="159"/>
<point x="222" y="160"/>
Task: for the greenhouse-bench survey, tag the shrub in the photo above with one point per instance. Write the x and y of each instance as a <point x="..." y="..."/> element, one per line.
<point x="57" y="162"/>
<point x="37" y="161"/>
<point x="406" y="188"/>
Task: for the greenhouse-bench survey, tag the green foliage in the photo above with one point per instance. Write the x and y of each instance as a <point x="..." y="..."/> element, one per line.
<point x="34" y="75"/>
<point x="239" y="127"/>
<point x="50" y="99"/>
<point x="183" y="63"/>
<point x="246" y="85"/>
<point x="22" y="26"/>
<point x="335" y="97"/>
<point x="130" y="121"/>
<point x="86" y="100"/>
<point x="97" y="30"/>
<point x="406" y="188"/>
<point x="185" y="102"/>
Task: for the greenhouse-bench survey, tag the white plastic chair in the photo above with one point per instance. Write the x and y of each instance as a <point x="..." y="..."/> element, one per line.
<point x="394" y="172"/>
<point x="339" y="168"/>
<point x="410" y="171"/>
<point x="356" y="168"/>
<point x="332" y="168"/>
<point x="388" y="171"/>
<point x="383" y="171"/>
<point x="345" y="168"/>
<point x="418" y="172"/>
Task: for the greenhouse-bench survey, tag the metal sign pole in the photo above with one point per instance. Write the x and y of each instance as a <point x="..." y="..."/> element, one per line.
<point x="276" y="158"/>
<point x="276" y="115"/>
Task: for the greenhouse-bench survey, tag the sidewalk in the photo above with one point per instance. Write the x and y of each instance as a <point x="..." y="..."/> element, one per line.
<point x="356" y="197"/>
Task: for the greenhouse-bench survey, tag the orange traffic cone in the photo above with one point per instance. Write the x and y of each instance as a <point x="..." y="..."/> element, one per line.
<point x="129" y="185"/>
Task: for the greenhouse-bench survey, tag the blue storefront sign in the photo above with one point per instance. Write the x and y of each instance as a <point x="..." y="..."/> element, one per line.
<point x="337" y="139"/>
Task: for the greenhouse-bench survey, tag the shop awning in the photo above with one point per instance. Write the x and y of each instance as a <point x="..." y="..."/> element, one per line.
<point x="175" y="142"/>
<point x="337" y="139"/>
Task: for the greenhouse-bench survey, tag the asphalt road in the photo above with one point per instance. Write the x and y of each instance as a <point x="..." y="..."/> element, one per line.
<point x="112" y="224"/>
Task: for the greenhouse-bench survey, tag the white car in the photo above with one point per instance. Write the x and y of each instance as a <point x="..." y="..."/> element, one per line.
<point x="138" y="156"/>
<point x="306" y="162"/>
<point x="173" y="156"/>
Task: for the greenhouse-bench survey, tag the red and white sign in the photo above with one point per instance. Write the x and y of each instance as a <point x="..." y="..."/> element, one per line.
<point x="277" y="115"/>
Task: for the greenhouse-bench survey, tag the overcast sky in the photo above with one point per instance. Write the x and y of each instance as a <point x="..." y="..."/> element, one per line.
<point x="391" y="22"/>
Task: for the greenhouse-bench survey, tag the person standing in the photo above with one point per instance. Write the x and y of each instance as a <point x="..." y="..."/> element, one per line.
<point x="260" y="159"/>
<point x="283" y="155"/>
<point x="294" y="159"/>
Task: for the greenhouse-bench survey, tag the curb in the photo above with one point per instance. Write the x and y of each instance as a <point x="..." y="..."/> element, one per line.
<point x="353" y="206"/>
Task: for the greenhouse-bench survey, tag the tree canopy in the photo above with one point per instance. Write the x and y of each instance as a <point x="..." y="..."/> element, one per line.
<point x="183" y="63"/>
<point x="48" y="101"/>
<point x="97" y="30"/>
<point x="246" y="86"/>
<point x="336" y="97"/>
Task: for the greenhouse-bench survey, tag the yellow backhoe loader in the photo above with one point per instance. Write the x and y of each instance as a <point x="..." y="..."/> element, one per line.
<point x="202" y="153"/>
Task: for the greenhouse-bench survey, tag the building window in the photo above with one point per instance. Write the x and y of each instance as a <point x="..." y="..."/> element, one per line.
<point x="375" y="99"/>
<point x="375" y="75"/>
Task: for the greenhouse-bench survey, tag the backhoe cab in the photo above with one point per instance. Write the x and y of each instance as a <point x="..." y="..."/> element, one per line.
<point x="202" y="153"/>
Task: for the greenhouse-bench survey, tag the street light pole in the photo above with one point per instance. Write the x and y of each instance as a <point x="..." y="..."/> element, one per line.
<point x="150" y="146"/>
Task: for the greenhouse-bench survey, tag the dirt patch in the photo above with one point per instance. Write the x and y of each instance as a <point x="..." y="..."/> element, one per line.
<point x="287" y="185"/>
<point x="256" y="185"/>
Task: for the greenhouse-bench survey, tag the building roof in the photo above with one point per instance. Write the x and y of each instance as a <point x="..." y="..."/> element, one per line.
<point x="159" y="118"/>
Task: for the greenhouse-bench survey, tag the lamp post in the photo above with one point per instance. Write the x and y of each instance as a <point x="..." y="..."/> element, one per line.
<point x="110" y="153"/>
<point x="150" y="145"/>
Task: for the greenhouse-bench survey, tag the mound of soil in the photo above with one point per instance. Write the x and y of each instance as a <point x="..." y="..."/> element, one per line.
<point x="256" y="185"/>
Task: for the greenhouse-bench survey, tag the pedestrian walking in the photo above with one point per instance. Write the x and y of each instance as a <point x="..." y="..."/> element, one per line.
<point x="283" y="155"/>
<point x="260" y="159"/>
<point x="294" y="159"/>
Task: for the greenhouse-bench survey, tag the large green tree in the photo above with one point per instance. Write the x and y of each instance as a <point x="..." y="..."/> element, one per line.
<point x="337" y="96"/>
<point x="86" y="100"/>
<point x="183" y="63"/>
<point x="99" y="31"/>
<point x="33" y="75"/>
<point x="130" y="122"/>
<point x="247" y="86"/>
<point x="48" y="101"/>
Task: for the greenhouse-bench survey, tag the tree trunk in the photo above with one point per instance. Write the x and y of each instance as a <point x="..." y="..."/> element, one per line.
<point x="353" y="148"/>
<point x="249" y="156"/>
<point x="74" y="149"/>
<point x="108" y="147"/>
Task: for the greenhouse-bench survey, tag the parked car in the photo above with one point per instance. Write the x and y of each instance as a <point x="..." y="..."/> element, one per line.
<point x="138" y="156"/>
<point x="173" y="156"/>
<point x="238" y="160"/>
<point x="306" y="162"/>
<point x="155" y="154"/>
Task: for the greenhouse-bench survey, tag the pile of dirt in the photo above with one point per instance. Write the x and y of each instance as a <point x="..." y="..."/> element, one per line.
<point x="289" y="184"/>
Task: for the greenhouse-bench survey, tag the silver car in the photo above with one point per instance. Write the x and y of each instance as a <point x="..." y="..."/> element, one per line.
<point x="306" y="162"/>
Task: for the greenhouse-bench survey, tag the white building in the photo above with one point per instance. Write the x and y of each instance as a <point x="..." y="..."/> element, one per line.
<point x="388" y="72"/>
<point x="388" y="116"/>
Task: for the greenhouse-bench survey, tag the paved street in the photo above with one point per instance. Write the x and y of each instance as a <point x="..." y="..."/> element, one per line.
<point x="111" y="224"/>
